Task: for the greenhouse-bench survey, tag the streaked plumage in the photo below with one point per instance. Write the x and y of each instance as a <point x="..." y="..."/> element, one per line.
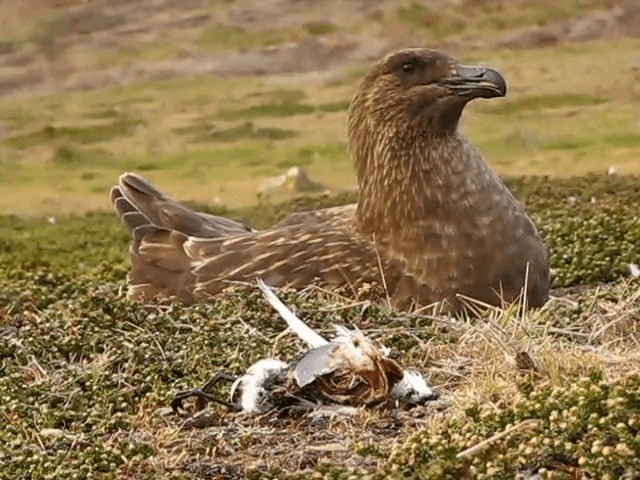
<point x="433" y="222"/>
<point x="348" y="370"/>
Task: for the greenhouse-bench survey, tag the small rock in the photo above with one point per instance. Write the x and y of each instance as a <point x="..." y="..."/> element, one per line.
<point x="51" y="433"/>
<point x="524" y="361"/>
<point x="295" y="179"/>
<point x="164" y="412"/>
<point x="634" y="270"/>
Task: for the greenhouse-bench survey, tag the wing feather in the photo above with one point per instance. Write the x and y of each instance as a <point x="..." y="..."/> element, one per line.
<point x="301" y="329"/>
<point x="292" y="256"/>
<point x="140" y="203"/>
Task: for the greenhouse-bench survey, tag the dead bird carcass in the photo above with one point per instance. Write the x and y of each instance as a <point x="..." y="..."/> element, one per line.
<point x="348" y="370"/>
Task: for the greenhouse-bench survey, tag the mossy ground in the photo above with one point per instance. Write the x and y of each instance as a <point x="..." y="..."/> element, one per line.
<point x="86" y="376"/>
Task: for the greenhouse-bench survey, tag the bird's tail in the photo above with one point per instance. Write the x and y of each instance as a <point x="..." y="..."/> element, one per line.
<point x="140" y="203"/>
<point x="159" y="228"/>
<point x="160" y="268"/>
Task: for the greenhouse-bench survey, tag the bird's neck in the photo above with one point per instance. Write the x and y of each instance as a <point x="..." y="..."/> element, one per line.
<point x="409" y="181"/>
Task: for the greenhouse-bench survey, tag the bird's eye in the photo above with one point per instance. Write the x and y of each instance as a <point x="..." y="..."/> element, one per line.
<point x="408" y="67"/>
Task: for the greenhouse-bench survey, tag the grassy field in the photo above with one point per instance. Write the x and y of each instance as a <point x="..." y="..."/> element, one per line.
<point x="86" y="377"/>
<point x="217" y="140"/>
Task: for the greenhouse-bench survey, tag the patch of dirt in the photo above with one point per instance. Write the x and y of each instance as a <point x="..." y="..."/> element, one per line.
<point x="65" y="41"/>
<point x="310" y="54"/>
<point x="268" y="439"/>
<point x="617" y="22"/>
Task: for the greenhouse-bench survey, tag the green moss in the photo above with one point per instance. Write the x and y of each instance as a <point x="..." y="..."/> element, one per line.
<point x="486" y="15"/>
<point x="225" y="36"/>
<point x="320" y="28"/>
<point x="283" y="108"/>
<point x="82" y="21"/>
<point x="281" y="105"/>
<point x="206" y="133"/>
<point x="566" y="143"/>
<point x="308" y="155"/>
<point x="414" y="14"/>
<point x="539" y="102"/>
<point x="437" y="24"/>
<point x="280" y="95"/>
<point x="68" y="155"/>
<point x="571" y="426"/>
<point x="334" y="106"/>
<point x="79" y="358"/>
<point x="622" y="140"/>
<point x="83" y="135"/>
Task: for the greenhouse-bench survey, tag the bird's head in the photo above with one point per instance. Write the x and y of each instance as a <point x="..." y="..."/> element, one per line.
<point x="412" y="389"/>
<point x="419" y="88"/>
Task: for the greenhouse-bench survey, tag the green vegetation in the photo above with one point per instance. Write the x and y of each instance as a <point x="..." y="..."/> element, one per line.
<point x="587" y="428"/>
<point x="84" y="135"/>
<point x="339" y="106"/>
<point x="314" y="154"/>
<point x="82" y="22"/>
<point x="86" y="374"/>
<point x="282" y="108"/>
<point x="540" y="102"/>
<point x="539" y="13"/>
<point x="480" y="17"/>
<point x="320" y="28"/>
<point x="207" y="137"/>
<point x="281" y="95"/>
<point x="415" y="14"/>
<point x="438" y="25"/>
<point x="224" y="36"/>
<point x="159" y="50"/>
<point x="276" y="109"/>
<point x="65" y="154"/>
<point x="245" y="131"/>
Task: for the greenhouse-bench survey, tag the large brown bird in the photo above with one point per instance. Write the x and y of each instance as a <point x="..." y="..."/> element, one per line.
<point x="433" y="223"/>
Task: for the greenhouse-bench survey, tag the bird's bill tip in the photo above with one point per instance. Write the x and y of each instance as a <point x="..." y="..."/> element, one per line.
<point x="475" y="82"/>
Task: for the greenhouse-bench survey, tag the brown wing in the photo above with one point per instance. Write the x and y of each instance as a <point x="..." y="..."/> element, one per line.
<point x="177" y="252"/>
<point x="339" y="217"/>
<point x="169" y="263"/>
<point x="140" y="203"/>
<point x="294" y="256"/>
<point x="160" y="267"/>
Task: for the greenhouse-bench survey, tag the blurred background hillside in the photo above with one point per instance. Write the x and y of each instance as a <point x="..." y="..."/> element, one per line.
<point x="213" y="99"/>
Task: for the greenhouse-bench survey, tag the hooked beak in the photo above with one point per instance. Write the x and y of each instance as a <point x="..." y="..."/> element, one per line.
<point x="475" y="82"/>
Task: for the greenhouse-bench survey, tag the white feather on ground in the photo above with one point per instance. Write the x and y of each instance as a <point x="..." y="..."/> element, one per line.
<point x="300" y="328"/>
